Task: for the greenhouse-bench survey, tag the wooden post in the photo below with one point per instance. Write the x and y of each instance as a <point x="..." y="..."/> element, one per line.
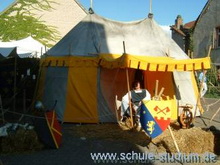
<point x="1" y="107"/>
<point x="128" y="88"/>
<point x="214" y="115"/>
<point x="161" y="92"/>
<point x="188" y="53"/>
<point x="15" y="82"/>
<point x="199" y="95"/>
<point x="24" y="101"/>
<point x="192" y="55"/>
<point x="174" y="140"/>
<point x="209" y="52"/>
<point x="129" y="97"/>
<point x="156" y="89"/>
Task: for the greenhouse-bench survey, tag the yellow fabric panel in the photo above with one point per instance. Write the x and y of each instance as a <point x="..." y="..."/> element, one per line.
<point x="134" y="64"/>
<point x="171" y="67"/>
<point x="180" y="67"/>
<point x="206" y="65"/>
<point x="81" y="102"/>
<point x="189" y="66"/>
<point x="166" y="81"/>
<point x="162" y="67"/>
<point x="60" y="63"/>
<point x="126" y="59"/>
<point x="152" y="67"/>
<point x="162" y="104"/>
<point x="143" y="65"/>
<point x="131" y="61"/>
<point x="53" y="63"/>
<point x="198" y="66"/>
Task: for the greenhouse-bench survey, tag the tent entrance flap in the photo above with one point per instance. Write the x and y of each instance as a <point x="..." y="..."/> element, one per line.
<point x="81" y="102"/>
<point x="113" y="82"/>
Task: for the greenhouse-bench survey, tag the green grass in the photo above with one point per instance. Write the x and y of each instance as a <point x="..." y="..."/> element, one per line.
<point x="213" y="92"/>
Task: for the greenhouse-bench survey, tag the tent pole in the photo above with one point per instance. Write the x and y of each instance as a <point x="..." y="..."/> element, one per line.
<point x="91" y="4"/>
<point x="129" y="98"/>
<point x="150" y="6"/>
<point x="15" y="79"/>
<point x="24" y="100"/>
<point x="174" y="140"/>
<point x="128" y="86"/>
<point x="2" y="111"/>
<point x="201" y="87"/>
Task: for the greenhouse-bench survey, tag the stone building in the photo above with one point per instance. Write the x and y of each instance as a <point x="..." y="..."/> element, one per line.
<point x="206" y="35"/>
<point x="181" y="34"/>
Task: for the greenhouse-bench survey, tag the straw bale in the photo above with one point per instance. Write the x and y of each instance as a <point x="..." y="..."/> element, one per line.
<point x="193" y="140"/>
<point x="20" y="141"/>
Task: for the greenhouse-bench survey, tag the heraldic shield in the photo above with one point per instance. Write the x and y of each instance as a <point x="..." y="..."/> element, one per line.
<point x="155" y="116"/>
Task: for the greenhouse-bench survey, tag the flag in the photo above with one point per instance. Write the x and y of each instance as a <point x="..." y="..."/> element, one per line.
<point x="155" y="116"/>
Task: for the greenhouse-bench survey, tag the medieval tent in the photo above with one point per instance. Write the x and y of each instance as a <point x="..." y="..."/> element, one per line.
<point x="85" y="70"/>
<point x="8" y="52"/>
<point x="26" y="47"/>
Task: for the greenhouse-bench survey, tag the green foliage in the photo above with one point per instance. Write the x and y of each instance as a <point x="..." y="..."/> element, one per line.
<point x="213" y="92"/>
<point x="213" y="84"/>
<point x="18" y="22"/>
<point x="191" y="40"/>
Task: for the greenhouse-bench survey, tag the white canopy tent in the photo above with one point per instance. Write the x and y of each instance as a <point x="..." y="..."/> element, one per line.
<point x="27" y="47"/>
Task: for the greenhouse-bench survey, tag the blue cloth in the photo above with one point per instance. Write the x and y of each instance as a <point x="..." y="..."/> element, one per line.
<point x="201" y="77"/>
<point x="148" y="123"/>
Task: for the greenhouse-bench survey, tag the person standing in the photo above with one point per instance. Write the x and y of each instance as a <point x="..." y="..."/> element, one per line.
<point x="203" y="83"/>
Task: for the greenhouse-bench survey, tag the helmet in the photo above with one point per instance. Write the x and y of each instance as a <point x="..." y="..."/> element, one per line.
<point x="39" y="106"/>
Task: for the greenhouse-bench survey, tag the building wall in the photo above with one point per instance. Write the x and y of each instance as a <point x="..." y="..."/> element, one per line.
<point x="64" y="15"/>
<point x="204" y="31"/>
<point x="179" y="39"/>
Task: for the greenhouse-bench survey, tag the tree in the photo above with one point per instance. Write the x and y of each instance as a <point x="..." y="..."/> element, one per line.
<point x="18" y="22"/>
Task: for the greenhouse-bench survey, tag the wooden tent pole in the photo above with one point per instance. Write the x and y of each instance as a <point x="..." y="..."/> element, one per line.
<point x="129" y="97"/>
<point x="160" y="94"/>
<point x="128" y="87"/>
<point x="201" y="86"/>
<point x="214" y="115"/>
<point x="15" y="82"/>
<point x="156" y="89"/>
<point x="2" y="111"/>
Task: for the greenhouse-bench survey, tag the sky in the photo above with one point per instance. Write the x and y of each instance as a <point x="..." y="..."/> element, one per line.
<point x="165" y="11"/>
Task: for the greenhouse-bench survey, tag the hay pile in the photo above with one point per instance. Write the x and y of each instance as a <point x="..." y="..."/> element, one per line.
<point x="20" y="141"/>
<point x="193" y="140"/>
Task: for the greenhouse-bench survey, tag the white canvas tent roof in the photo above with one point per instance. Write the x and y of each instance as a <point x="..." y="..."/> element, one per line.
<point x="95" y="34"/>
<point x="27" y="47"/>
